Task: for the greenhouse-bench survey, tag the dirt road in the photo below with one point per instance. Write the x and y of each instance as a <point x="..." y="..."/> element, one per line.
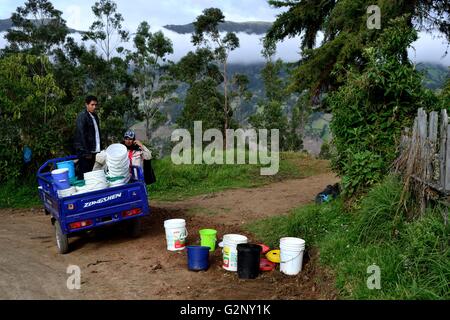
<point x="114" y="266"/>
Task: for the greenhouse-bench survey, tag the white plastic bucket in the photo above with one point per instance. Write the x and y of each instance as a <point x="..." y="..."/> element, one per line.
<point x="67" y="192"/>
<point x="176" y="234"/>
<point x="291" y="255"/>
<point x="116" y="151"/>
<point x="230" y="242"/>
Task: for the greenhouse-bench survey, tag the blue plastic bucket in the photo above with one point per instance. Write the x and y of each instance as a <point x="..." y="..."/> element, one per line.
<point x="61" y="179"/>
<point x="67" y="165"/>
<point x="198" y="258"/>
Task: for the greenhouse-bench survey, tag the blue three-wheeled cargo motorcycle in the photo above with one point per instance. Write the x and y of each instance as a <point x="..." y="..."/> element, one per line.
<point x="79" y="213"/>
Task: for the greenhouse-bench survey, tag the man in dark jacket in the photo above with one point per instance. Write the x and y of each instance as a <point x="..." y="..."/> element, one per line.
<point x="87" y="137"/>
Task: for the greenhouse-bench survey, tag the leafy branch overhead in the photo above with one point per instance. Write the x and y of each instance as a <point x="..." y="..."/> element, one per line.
<point x="345" y="34"/>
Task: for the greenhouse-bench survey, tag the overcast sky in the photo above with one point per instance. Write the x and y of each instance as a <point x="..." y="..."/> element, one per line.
<point x="158" y="13"/>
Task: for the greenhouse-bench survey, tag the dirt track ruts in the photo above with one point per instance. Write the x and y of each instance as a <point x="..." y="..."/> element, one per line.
<point x="114" y="266"/>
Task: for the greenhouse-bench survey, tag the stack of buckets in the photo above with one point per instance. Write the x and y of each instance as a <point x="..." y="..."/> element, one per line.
<point x="118" y="163"/>
<point x="95" y="180"/>
<point x="61" y="178"/>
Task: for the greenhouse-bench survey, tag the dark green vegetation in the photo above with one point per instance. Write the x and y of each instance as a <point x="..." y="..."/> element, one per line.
<point x="413" y="256"/>
<point x="435" y="75"/>
<point x="361" y="75"/>
<point x="253" y="27"/>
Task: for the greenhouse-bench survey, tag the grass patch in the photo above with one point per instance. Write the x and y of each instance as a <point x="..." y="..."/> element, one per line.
<point x="414" y="257"/>
<point x="175" y="182"/>
<point x="19" y="195"/>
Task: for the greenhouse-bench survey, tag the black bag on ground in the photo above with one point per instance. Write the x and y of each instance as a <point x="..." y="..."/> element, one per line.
<point x="331" y="192"/>
<point x="149" y="174"/>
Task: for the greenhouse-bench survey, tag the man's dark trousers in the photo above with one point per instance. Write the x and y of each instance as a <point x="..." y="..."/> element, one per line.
<point x="85" y="164"/>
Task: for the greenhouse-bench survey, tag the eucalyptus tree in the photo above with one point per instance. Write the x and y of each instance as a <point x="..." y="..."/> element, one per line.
<point x="107" y="31"/>
<point x="154" y="83"/>
<point x="37" y="27"/>
<point x="206" y="34"/>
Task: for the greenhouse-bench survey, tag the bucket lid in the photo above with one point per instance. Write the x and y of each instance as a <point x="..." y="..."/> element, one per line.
<point x="266" y="265"/>
<point x="116" y="150"/>
<point x="59" y="171"/>
<point x="174" y="222"/>
<point x="273" y="256"/>
<point x="234" y="238"/>
<point x="290" y="241"/>
<point x="264" y="248"/>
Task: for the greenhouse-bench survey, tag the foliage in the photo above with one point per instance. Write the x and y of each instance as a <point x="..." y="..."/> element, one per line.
<point x="206" y="34"/>
<point x="325" y="151"/>
<point x="203" y="103"/>
<point x="346" y="35"/>
<point x="373" y="106"/>
<point x="36" y="28"/>
<point x="107" y="31"/>
<point x="29" y="94"/>
<point x="155" y="85"/>
<point x="270" y="113"/>
<point x="240" y="93"/>
<point x="379" y="220"/>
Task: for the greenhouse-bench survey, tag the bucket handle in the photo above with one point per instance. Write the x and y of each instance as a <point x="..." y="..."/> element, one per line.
<point x="291" y="258"/>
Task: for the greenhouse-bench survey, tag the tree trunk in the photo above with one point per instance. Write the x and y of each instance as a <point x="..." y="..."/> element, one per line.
<point x="225" y="83"/>
<point x="147" y="128"/>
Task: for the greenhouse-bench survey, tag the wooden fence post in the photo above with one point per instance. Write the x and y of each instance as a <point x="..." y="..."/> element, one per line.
<point x="443" y="148"/>
<point x="432" y="146"/>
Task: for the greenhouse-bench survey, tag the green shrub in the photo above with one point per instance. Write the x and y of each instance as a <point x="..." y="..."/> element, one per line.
<point x="325" y="152"/>
<point x="373" y="106"/>
<point x="362" y="170"/>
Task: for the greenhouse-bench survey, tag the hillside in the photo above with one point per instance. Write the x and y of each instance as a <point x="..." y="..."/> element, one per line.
<point x="253" y="27"/>
<point x="317" y="128"/>
<point x="6" y="24"/>
<point x="435" y="75"/>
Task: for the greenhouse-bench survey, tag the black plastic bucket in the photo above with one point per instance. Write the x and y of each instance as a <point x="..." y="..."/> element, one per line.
<point x="248" y="260"/>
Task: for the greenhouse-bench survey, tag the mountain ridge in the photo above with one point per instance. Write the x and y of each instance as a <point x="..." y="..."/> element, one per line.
<point x="6" y="24"/>
<point x="249" y="27"/>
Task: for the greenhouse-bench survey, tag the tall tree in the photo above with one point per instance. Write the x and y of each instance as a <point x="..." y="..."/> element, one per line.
<point x="155" y="85"/>
<point x="206" y="33"/>
<point x="203" y="100"/>
<point x="270" y="114"/>
<point x="107" y="31"/>
<point x="344" y="26"/>
<point x="37" y="27"/>
<point x="30" y="112"/>
<point x="373" y="106"/>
